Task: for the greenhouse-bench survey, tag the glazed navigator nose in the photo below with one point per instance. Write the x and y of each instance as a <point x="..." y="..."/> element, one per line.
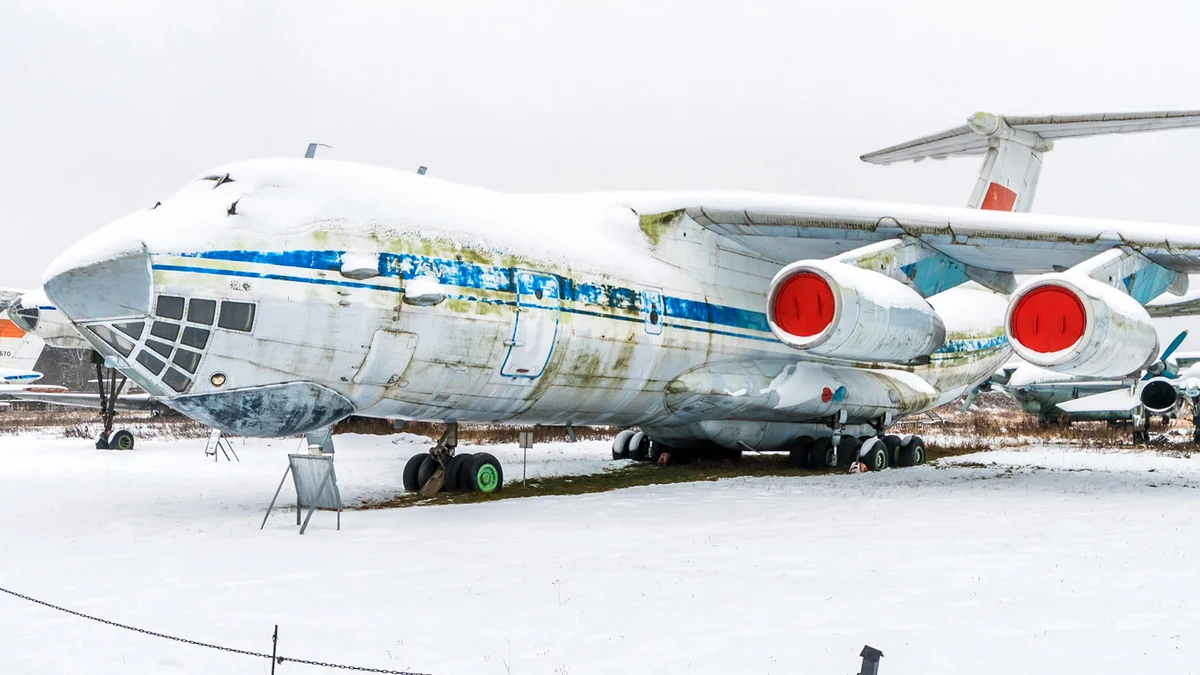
<point x="112" y="287"/>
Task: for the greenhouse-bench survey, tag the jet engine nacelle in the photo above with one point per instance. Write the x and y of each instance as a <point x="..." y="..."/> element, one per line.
<point x="845" y="312"/>
<point x="1158" y="395"/>
<point x="1076" y="324"/>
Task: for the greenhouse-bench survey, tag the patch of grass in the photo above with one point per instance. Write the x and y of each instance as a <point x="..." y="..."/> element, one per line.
<point x="634" y="475"/>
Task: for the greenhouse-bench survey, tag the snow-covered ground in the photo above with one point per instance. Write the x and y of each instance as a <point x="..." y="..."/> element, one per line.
<point x="1042" y="560"/>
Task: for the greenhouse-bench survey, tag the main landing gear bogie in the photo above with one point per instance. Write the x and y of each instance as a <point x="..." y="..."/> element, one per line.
<point x="444" y="470"/>
<point x="875" y="452"/>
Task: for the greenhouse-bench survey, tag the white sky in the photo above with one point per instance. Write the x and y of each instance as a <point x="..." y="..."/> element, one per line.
<point x="106" y="107"/>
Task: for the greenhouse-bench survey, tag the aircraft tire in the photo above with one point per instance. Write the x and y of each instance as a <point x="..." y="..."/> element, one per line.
<point x="657" y="450"/>
<point x="122" y="440"/>
<point x="454" y="466"/>
<point x="848" y="450"/>
<point x="620" y="447"/>
<point x="485" y="473"/>
<point x="892" y="443"/>
<point x="429" y="466"/>
<point x="875" y="457"/>
<point x="912" y="453"/>
<point x="409" y="477"/>
<point x="820" y="452"/>
<point x="798" y="457"/>
<point x="639" y="447"/>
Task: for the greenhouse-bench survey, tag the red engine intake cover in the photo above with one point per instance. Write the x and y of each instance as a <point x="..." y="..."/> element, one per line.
<point x="804" y="305"/>
<point x="1048" y="319"/>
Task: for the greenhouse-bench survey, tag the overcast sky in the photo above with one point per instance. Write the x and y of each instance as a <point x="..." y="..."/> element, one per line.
<point x="106" y="107"/>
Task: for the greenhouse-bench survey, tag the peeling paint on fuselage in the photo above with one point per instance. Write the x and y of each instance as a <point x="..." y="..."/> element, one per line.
<point x="607" y="364"/>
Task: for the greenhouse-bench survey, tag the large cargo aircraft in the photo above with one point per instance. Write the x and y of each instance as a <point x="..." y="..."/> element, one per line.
<point x="276" y="297"/>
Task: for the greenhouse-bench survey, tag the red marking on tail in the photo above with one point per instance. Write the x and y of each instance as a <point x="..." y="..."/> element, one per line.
<point x="8" y="329"/>
<point x="998" y="198"/>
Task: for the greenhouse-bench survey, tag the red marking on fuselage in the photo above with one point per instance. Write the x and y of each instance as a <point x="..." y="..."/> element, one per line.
<point x="998" y="198"/>
<point x="8" y="329"/>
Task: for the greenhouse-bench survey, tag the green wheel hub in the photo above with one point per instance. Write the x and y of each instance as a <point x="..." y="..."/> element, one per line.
<point x="487" y="478"/>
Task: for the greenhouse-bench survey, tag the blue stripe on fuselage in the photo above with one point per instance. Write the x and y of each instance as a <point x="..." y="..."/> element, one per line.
<point x="502" y="279"/>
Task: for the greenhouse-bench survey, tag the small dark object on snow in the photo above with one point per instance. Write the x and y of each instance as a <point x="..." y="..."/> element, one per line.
<point x="870" y="657"/>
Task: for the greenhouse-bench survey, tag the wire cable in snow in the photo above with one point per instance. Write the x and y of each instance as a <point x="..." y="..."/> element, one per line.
<point x="207" y="645"/>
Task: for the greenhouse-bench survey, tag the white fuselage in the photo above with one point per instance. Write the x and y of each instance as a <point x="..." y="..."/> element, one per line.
<point x="556" y="310"/>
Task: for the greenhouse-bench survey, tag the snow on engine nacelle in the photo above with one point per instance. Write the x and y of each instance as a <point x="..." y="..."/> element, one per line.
<point x="1078" y="325"/>
<point x="845" y="312"/>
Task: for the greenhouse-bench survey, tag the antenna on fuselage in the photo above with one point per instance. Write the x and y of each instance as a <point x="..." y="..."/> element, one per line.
<point x="312" y="150"/>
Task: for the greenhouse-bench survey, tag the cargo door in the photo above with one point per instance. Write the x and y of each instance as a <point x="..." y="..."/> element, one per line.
<point x="535" y="325"/>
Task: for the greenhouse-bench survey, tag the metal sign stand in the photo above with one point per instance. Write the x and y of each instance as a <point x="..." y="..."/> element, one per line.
<point x="218" y="442"/>
<point x="316" y="487"/>
<point x="525" y="440"/>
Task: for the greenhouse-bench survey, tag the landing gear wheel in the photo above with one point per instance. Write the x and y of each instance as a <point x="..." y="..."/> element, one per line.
<point x="639" y="447"/>
<point x="485" y="475"/>
<point x="620" y="447"/>
<point x="657" y="451"/>
<point x="798" y="457"/>
<point x="891" y="443"/>
<point x="462" y="474"/>
<point x="847" y="452"/>
<point x="874" y="454"/>
<point x="102" y="442"/>
<point x="409" y="477"/>
<point x="912" y="452"/>
<point x="821" y="454"/>
<point x="453" y="472"/>
<point x="425" y="471"/>
<point x="122" y="440"/>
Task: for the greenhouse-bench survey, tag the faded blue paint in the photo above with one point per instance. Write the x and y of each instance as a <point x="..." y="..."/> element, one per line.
<point x="503" y="280"/>
<point x="1149" y="282"/>
<point x="935" y="274"/>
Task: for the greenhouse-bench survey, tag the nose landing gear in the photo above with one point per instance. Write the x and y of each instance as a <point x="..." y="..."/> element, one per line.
<point x="109" y="387"/>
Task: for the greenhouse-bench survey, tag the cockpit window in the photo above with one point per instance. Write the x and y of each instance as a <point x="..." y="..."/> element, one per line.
<point x="202" y="311"/>
<point x="176" y="380"/>
<point x="169" y="307"/>
<point x="133" y="329"/>
<point x="113" y="339"/>
<point x="26" y="318"/>
<point x="237" y="316"/>
<point x="164" y="330"/>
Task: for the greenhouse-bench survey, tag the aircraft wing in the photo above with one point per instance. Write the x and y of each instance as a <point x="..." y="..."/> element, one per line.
<point x="126" y="402"/>
<point x="1110" y="401"/>
<point x="784" y="229"/>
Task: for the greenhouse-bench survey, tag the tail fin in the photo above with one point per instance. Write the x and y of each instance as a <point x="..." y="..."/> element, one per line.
<point x="1013" y="148"/>
<point x="18" y="349"/>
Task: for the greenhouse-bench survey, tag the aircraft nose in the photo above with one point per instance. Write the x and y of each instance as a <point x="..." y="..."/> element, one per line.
<point x="91" y="288"/>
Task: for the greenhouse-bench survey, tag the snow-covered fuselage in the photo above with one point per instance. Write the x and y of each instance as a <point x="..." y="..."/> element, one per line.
<point x="274" y="297"/>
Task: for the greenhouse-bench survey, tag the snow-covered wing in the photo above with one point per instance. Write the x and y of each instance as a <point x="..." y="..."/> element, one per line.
<point x="786" y="228"/>
<point x="1114" y="401"/>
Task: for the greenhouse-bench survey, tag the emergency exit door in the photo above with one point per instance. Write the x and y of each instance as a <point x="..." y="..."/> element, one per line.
<point x="535" y="325"/>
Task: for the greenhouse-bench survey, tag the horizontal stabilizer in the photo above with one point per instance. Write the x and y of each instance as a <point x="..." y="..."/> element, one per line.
<point x="973" y="137"/>
<point x="1110" y="401"/>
